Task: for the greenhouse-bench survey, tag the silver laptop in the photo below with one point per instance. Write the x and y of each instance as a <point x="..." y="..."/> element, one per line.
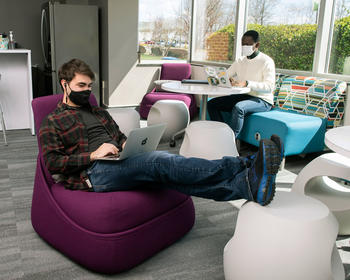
<point x="140" y="140"/>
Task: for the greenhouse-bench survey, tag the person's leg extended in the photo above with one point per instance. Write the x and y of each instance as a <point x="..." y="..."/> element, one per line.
<point x="223" y="179"/>
<point x="226" y="179"/>
<point x="242" y="108"/>
<point x="223" y="104"/>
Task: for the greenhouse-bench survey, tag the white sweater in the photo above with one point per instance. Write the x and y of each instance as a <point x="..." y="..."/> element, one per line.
<point x="259" y="72"/>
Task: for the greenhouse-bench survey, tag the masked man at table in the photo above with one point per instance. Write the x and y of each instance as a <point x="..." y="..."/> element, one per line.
<point x="76" y="135"/>
<point x="254" y="70"/>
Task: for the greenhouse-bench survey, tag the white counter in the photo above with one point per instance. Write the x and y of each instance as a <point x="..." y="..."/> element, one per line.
<point x="16" y="92"/>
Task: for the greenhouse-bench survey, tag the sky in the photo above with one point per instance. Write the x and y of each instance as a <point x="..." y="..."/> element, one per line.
<point x="150" y="9"/>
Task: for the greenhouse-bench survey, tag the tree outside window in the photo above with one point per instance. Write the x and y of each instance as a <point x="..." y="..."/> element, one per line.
<point x="208" y="43"/>
<point x="164" y="28"/>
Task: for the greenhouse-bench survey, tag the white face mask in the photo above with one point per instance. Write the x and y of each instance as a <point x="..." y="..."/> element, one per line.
<point x="247" y="50"/>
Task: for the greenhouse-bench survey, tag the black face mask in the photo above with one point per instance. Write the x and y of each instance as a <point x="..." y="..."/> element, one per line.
<point x="80" y="98"/>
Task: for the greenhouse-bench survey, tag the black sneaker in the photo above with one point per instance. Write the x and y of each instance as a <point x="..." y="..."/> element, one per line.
<point x="262" y="173"/>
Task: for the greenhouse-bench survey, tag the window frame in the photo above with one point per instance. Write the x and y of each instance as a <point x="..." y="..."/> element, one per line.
<point x="323" y="44"/>
<point x="323" y="36"/>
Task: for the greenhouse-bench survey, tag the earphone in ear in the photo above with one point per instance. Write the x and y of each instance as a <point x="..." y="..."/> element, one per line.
<point x="65" y="85"/>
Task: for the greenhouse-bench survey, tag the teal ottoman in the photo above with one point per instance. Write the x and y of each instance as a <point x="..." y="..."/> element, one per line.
<point x="299" y="133"/>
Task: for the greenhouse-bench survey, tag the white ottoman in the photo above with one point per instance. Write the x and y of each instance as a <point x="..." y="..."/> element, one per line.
<point x="291" y="239"/>
<point x="126" y="118"/>
<point x="174" y="114"/>
<point x="209" y="140"/>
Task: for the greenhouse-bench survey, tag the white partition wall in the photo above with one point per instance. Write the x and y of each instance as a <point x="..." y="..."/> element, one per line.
<point x="16" y="89"/>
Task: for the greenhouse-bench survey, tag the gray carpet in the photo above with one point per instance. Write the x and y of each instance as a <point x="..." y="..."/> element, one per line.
<point x="24" y="255"/>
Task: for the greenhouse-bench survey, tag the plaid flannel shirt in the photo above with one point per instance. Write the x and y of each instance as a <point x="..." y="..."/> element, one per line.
<point x="64" y="143"/>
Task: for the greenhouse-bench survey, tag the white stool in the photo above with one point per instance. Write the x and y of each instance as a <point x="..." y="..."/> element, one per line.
<point x="313" y="181"/>
<point x="291" y="239"/>
<point x="174" y="114"/>
<point x="126" y="118"/>
<point x="209" y="140"/>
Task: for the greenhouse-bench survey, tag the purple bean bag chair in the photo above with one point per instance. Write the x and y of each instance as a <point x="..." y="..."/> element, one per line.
<point x="104" y="232"/>
<point x="170" y="71"/>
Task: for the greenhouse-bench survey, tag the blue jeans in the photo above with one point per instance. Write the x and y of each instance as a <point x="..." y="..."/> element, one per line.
<point x="239" y="105"/>
<point x="222" y="180"/>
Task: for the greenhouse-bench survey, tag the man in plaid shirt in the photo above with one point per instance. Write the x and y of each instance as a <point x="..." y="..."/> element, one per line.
<point x="76" y="135"/>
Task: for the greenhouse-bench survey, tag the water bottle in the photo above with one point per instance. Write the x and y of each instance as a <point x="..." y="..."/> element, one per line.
<point x="11" y="41"/>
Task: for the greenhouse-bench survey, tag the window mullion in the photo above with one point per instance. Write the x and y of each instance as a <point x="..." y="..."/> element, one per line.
<point x="191" y="30"/>
<point x="329" y="45"/>
<point x="240" y="26"/>
<point x="323" y="36"/>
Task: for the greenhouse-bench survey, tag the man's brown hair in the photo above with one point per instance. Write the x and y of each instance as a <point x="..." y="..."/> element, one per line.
<point x="68" y="70"/>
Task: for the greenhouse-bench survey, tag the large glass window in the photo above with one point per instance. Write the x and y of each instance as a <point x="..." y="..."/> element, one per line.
<point x="213" y="34"/>
<point x="287" y="29"/>
<point x="340" y="51"/>
<point x="164" y="30"/>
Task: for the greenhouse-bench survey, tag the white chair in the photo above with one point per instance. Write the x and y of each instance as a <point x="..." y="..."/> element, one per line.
<point x="313" y="181"/>
<point x="208" y="139"/>
<point x="126" y="118"/>
<point x="291" y="239"/>
<point x="174" y="114"/>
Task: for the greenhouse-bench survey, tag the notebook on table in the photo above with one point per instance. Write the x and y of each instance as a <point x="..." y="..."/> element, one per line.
<point x="218" y="76"/>
<point x="140" y="140"/>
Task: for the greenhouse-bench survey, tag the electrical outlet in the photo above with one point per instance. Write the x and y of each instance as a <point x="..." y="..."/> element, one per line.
<point x="257" y="136"/>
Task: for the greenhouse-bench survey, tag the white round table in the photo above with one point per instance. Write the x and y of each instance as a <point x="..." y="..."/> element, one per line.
<point x="204" y="90"/>
<point x="323" y="178"/>
<point x="338" y="140"/>
<point x="158" y="83"/>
